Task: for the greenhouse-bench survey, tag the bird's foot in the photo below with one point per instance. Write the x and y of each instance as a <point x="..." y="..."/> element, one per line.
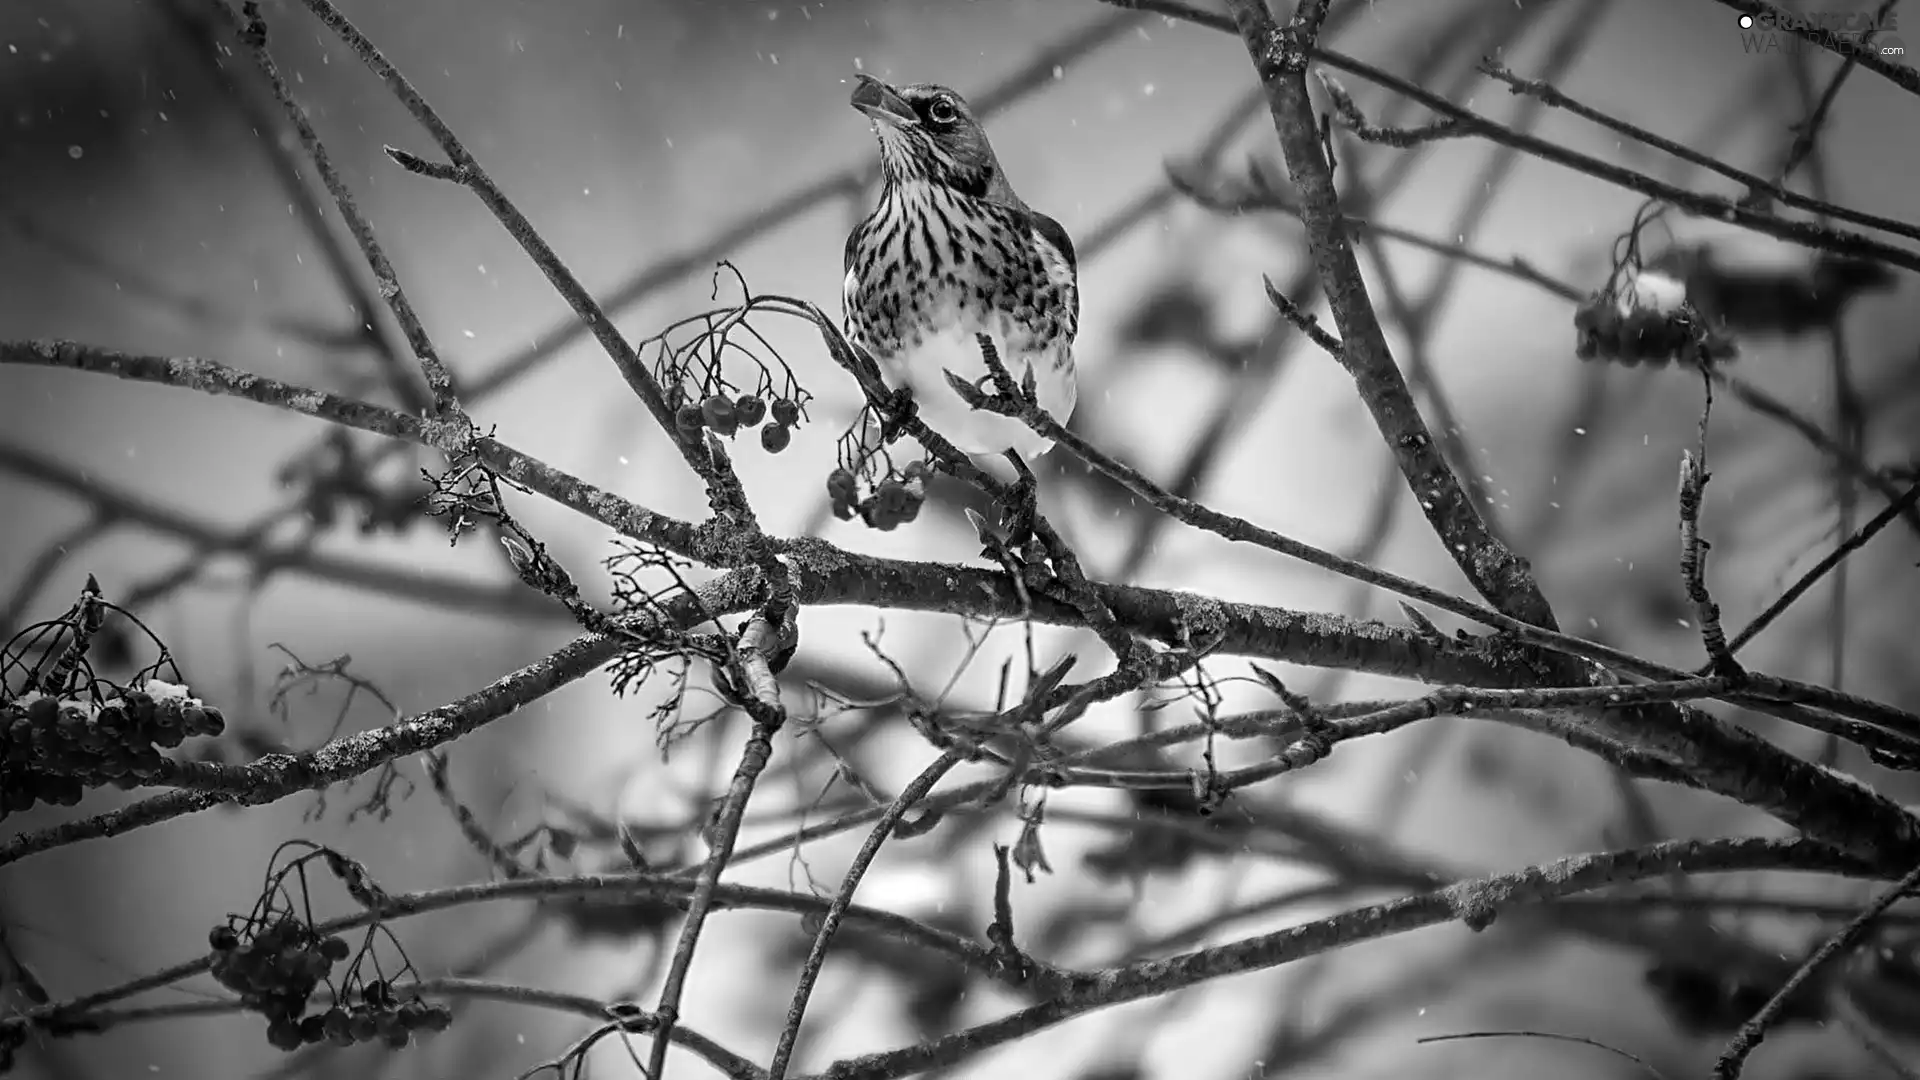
<point x="896" y="413"/>
<point x="1024" y="506"/>
<point x="1026" y="565"/>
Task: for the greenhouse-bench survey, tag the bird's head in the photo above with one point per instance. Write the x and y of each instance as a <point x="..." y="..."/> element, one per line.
<point x="927" y="133"/>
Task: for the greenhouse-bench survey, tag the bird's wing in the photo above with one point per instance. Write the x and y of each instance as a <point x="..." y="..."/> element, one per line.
<point x="1055" y="236"/>
<point x="851" y="283"/>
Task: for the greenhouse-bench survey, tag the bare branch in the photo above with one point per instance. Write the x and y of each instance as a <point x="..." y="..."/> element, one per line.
<point x="1475" y="901"/>
<point x="908" y="798"/>
<point x="752" y="678"/>
<point x="1906" y="78"/>
<point x="278" y="776"/>
<point x="1734" y="1057"/>
<point x="1693" y="551"/>
<point x="1718" y="208"/>
<point x="723" y="486"/>
<point x="253" y="32"/>
<point x="1807" y="134"/>
<point x="1758" y="187"/>
<point x="1502" y="577"/>
<point x="210" y="377"/>
<point x="1833" y="558"/>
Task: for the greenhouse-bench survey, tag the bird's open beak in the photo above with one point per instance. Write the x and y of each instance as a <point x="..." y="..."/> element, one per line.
<point x="878" y="100"/>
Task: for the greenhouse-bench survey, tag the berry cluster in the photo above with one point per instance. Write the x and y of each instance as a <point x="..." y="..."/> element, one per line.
<point x="276" y="971"/>
<point x="724" y="415"/>
<point x="894" y="502"/>
<point x="1648" y="320"/>
<point x="52" y="749"/>
<point x="390" y="1020"/>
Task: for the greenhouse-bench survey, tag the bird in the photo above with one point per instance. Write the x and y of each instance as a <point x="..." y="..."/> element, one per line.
<point x="950" y="257"/>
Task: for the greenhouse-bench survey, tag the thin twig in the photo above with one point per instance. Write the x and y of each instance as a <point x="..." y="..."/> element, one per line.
<point x="1773" y="408"/>
<point x="727" y="1062"/>
<point x="1734" y="1057"/>
<point x="1518" y="270"/>
<point x="908" y="798"/>
<point x="1480" y="899"/>
<point x="1757" y="186"/>
<point x="723" y="487"/>
<point x="1820" y="569"/>
<point x="759" y="695"/>
<point x="1305" y="322"/>
<point x="1358" y="224"/>
<point x="113" y="505"/>
<point x="1906" y="78"/>
<point x="282" y="144"/>
<point x="1581" y="1039"/>
<point x="1280" y="56"/>
<point x="1131" y="981"/>
<point x="1848" y="1014"/>
<point x="1698" y="204"/>
<point x="1807" y="132"/>
<point x="253" y="32"/>
<point x="1482" y="192"/>
<point x="1693" y="551"/>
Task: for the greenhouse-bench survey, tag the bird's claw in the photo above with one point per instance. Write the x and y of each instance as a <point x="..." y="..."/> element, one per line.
<point x="898" y="411"/>
<point x="1019" y="519"/>
<point x="1024" y="506"/>
<point x="1026" y="562"/>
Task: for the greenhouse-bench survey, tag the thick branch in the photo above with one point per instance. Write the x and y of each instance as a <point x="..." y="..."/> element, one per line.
<point x="723" y="547"/>
<point x="1496" y="572"/>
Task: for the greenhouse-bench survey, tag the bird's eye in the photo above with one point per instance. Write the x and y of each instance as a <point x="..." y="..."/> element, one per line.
<point x="942" y="111"/>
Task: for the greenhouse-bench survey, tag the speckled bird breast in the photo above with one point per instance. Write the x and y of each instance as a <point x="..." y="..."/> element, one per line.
<point x="929" y="261"/>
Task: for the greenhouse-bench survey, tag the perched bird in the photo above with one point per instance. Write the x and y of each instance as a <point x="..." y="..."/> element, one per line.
<point x="950" y="253"/>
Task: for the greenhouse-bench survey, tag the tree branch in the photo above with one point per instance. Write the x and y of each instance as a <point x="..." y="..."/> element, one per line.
<point x="1467" y="122"/>
<point x="253" y="33"/>
<point x="1474" y="902"/>
<point x="1900" y="75"/>
<point x="1497" y="573"/>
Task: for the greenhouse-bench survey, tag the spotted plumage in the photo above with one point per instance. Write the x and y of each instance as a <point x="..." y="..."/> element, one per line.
<point x="948" y="253"/>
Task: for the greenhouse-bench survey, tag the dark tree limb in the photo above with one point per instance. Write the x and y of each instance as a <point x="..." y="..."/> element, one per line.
<point x="1280" y="56"/>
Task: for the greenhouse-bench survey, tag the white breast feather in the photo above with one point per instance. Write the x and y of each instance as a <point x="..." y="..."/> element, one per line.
<point x="920" y="364"/>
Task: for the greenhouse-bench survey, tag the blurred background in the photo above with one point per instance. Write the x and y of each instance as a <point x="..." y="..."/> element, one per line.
<point x="152" y="201"/>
